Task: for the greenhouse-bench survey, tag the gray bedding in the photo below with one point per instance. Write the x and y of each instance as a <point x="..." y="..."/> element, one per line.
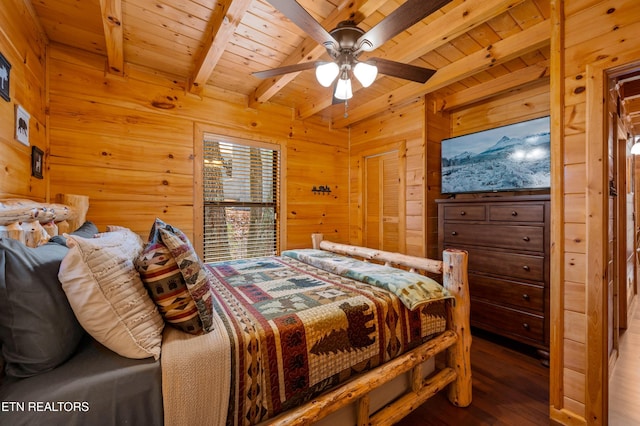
<point x="95" y="387"/>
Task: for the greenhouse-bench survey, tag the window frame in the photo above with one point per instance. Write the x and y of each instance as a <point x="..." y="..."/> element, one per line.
<point x="200" y="132"/>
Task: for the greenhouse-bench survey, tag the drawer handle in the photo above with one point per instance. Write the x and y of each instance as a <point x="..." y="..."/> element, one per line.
<point x="525" y="296"/>
<point x="525" y="326"/>
<point x="514" y="213"/>
<point x="526" y="268"/>
<point x="527" y="239"/>
<point x="454" y="233"/>
<point x="462" y="213"/>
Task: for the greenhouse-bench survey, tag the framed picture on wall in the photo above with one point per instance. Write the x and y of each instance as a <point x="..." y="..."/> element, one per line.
<point x="37" y="162"/>
<point x="5" y="71"/>
<point x="22" y="125"/>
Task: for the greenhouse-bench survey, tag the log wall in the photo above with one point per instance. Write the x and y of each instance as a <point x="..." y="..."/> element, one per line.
<point x="23" y="46"/>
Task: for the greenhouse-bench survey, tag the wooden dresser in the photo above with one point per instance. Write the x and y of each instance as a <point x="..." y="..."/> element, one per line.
<point x="508" y="243"/>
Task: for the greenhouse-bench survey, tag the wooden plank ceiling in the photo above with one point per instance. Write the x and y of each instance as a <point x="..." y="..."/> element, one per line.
<point x="478" y="47"/>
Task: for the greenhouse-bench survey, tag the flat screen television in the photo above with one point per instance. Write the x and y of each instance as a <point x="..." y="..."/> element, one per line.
<point x="515" y="157"/>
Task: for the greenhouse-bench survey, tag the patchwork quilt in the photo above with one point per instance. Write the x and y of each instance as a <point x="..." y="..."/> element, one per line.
<point x="297" y="331"/>
<point x="414" y="290"/>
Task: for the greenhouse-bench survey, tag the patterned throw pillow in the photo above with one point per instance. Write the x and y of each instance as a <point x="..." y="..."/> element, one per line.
<point x="162" y="277"/>
<point x="194" y="275"/>
<point x="107" y="294"/>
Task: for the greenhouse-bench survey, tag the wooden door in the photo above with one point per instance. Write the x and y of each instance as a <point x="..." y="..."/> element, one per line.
<point x="382" y="201"/>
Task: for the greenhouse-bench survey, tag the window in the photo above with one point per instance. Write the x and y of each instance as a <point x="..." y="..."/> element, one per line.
<point x="241" y="190"/>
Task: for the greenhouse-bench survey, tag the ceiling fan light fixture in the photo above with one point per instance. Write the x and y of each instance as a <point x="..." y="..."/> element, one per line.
<point x="343" y="89"/>
<point x="326" y="73"/>
<point x="365" y="73"/>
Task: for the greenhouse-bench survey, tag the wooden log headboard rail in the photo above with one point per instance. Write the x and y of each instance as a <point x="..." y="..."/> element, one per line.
<point x="33" y="223"/>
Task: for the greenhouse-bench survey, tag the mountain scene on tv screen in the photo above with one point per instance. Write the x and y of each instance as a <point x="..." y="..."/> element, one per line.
<point x="512" y="163"/>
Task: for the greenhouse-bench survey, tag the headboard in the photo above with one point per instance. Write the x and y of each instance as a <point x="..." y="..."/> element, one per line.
<point x="33" y="223"/>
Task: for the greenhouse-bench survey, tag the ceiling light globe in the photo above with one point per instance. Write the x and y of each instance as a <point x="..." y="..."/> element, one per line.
<point x="635" y="149"/>
<point x="365" y="73"/>
<point x="343" y="89"/>
<point x="326" y="73"/>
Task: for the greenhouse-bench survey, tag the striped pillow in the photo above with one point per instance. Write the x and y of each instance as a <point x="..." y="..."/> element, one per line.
<point x="169" y="256"/>
<point x="107" y="295"/>
<point x="162" y="277"/>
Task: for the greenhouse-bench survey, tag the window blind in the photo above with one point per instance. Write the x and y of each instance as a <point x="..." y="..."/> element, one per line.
<point x="241" y="190"/>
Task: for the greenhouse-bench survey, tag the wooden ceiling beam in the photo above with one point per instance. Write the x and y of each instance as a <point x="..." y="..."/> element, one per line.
<point x="437" y="33"/>
<point x="223" y="24"/>
<point x="111" y="11"/>
<point x="533" y="38"/>
<point x="310" y="50"/>
<point x="506" y="83"/>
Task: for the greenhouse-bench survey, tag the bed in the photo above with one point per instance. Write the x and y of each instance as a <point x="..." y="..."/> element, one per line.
<point x="311" y="334"/>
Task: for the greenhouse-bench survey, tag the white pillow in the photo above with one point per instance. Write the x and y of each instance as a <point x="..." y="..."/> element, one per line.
<point x="107" y="295"/>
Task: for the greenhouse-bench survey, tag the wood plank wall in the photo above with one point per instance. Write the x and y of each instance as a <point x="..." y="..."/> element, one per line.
<point x="23" y="45"/>
<point x="128" y="143"/>
<point x="385" y="133"/>
<point x="519" y="105"/>
<point x="438" y="128"/>
<point x="595" y="31"/>
<point x="108" y="140"/>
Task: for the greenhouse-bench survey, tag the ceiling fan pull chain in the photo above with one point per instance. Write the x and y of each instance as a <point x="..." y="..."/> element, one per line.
<point x="346" y="106"/>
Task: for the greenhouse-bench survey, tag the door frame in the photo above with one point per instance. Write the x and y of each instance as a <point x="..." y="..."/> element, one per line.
<point x="596" y="307"/>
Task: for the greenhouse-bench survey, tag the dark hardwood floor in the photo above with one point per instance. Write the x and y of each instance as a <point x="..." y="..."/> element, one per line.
<point x="510" y="387"/>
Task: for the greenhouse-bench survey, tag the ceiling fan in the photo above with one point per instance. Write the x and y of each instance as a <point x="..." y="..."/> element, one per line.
<point x="346" y="42"/>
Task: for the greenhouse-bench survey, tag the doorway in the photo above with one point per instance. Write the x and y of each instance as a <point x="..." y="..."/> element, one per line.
<point x="624" y="89"/>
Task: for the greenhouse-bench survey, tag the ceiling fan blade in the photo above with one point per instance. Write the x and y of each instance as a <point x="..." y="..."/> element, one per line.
<point x="287" y="69"/>
<point x="299" y="16"/>
<point x="400" y="70"/>
<point x="410" y="13"/>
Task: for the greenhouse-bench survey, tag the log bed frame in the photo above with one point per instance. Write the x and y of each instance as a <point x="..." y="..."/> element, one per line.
<point x="27" y="220"/>
<point x="33" y="223"/>
<point x="456" y="340"/>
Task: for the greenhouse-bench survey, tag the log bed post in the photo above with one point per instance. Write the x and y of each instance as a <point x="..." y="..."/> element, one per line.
<point x="455" y="280"/>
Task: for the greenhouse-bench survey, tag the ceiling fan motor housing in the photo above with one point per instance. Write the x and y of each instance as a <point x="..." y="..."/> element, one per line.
<point x="347" y="35"/>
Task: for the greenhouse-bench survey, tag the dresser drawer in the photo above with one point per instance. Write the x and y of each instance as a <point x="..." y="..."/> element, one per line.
<point x="507" y="322"/>
<point x="517" y="212"/>
<point x="517" y="237"/>
<point x="464" y="212"/>
<point x="505" y="292"/>
<point x="507" y="265"/>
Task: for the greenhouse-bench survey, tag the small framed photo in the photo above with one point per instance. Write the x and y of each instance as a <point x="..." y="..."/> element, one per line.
<point x="5" y="71"/>
<point x="22" y="125"/>
<point x="37" y="162"/>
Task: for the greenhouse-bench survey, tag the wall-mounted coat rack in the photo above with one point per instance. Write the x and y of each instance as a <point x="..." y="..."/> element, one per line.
<point x="322" y="189"/>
